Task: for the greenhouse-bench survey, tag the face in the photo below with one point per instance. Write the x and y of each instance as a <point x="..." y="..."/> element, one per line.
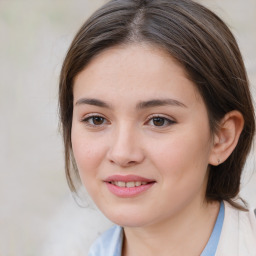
<point x="140" y="136"/>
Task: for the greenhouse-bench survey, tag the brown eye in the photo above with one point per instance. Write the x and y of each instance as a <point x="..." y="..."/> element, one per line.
<point x="94" y="120"/>
<point x="97" y="120"/>
<point x="161" y="122"/>
<point x="158" y="121"/>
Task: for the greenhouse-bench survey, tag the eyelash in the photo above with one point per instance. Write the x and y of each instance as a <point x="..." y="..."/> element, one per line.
<point x="167" y="121"/>
<point x="89" y="121"/>
<point x="92" y="117"/>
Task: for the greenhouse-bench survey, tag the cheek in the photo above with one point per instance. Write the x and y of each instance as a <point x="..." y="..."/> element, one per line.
<point x="182" y="156"/>
<point x="87" y="153"/>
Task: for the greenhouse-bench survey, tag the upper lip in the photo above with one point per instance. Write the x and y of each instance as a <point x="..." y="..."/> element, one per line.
<point x="127" y="178"/>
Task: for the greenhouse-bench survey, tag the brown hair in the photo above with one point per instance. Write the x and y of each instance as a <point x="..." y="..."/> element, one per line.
<point x="200" y="41"/>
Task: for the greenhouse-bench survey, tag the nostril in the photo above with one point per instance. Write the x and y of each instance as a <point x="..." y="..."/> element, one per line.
<point x="131" y="163"/>
<point x="123" y="163"/>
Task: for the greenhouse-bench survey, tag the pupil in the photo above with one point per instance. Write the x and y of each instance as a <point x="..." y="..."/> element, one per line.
<point x="158" y="121"/>
<point x="97" y="120"/>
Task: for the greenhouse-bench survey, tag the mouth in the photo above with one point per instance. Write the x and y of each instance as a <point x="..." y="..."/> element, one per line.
<point x="129" y="185"/>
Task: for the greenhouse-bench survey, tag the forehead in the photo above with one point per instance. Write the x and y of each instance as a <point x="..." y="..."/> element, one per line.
<point x="139" y="70"/>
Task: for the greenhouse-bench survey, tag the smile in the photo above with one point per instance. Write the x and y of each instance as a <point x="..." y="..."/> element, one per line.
<point x="128" y="186"/>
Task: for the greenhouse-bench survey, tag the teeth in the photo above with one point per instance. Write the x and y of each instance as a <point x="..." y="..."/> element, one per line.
<point x="137" y="183"/>
<point x="130" y="184"/>
<point x="120" y="184"/>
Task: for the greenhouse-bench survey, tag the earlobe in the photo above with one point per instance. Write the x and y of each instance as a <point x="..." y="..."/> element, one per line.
<point x="227" y="136"/>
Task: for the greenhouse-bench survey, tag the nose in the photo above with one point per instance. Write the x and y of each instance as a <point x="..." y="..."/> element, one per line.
<point x="125" y="149"/>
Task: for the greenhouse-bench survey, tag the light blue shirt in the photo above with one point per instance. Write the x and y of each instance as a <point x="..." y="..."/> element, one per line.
<point x="110" y="242"/>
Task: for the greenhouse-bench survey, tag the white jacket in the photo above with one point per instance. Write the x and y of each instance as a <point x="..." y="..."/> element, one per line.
<point x="238" y="235"/>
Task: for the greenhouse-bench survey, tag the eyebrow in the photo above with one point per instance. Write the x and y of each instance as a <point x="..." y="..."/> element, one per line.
<point x="140" y="105"/>
<point x="159" y="103"/>
<point x="94" y="102"/>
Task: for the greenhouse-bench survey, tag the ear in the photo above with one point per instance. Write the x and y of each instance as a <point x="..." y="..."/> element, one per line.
<point x="227" y="136"/>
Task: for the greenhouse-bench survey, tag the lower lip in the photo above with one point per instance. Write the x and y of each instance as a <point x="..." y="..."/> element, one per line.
<point x="128" y="192"/>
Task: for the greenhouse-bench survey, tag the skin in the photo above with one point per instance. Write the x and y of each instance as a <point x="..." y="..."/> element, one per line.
<point x="125" y="139"/>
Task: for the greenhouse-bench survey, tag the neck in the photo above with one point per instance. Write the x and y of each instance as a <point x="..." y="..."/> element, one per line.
<point x="186" y="233"/>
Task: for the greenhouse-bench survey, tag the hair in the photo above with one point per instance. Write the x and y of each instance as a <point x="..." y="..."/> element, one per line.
<point x="197" y="39"/>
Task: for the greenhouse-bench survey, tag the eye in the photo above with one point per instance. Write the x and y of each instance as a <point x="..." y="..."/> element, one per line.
<point x="94" y="120"/>
<point x="159" y="121"/>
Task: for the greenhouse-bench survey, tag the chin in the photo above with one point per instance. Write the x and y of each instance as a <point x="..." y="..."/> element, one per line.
<point x="130" y="223"/>
<point x="127" y="218"/>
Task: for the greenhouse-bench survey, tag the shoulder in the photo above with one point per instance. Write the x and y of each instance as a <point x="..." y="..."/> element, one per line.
<point x="245" y="219"/>
<point x="238" y="235"/>
<point x="109" y="243"/>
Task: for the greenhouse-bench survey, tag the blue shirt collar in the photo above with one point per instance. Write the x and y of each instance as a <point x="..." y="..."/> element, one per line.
<point x="110" y="242"/>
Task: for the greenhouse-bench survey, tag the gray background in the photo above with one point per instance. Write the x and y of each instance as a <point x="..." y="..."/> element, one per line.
<point x="38" y="215"/>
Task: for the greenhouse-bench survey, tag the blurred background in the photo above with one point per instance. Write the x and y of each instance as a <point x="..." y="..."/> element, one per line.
<point x="38" y="215"/>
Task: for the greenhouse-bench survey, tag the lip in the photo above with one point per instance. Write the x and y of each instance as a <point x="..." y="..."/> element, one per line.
<point x="127" y="178"/>
<point x="128" y="192"/>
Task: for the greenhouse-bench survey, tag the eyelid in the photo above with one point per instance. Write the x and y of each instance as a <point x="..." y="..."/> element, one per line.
<point x="162" y="116"/>
<point x="85" y="119"/>
<point x="87" y="116"/>
<point x="169" y="119"/>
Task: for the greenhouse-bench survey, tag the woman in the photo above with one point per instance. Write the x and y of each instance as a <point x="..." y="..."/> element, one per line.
<point x="157" y="122"/>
